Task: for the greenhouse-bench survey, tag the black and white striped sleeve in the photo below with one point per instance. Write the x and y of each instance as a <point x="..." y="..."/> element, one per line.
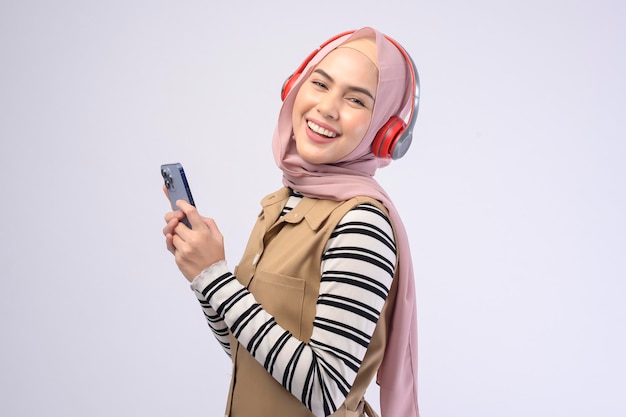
<point x="216" y="323"/>
<point x="357" y="272"/>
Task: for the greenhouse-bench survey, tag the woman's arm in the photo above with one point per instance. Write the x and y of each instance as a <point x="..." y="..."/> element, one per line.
<point x="207" y="229"/>
<point x="216" y="323"/>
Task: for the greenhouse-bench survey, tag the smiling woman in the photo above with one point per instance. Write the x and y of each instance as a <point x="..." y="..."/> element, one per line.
<point x="323" y="298"/>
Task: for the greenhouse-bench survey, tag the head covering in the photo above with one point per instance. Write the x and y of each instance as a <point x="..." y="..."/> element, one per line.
<point x="352" y="176"/>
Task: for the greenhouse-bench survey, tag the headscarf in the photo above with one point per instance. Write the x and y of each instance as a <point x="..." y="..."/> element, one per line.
<point x="352" y="176"/>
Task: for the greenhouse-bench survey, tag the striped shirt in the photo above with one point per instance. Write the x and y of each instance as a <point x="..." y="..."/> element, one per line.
<point x="357" y="269"/>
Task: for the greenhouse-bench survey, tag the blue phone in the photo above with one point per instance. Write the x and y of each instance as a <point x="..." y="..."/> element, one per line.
<point x="177" y="185"/>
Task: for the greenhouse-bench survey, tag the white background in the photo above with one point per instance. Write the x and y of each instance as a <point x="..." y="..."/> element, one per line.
<point x="513" y="194"/>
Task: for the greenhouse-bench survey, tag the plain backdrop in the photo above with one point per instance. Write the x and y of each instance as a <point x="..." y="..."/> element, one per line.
<point x="512" y="192"/>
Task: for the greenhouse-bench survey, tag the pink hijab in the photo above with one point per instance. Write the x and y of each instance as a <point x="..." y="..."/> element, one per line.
<point x="353" y="176"/>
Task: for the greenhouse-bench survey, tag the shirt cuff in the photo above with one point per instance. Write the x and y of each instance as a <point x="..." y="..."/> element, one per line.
<point x="207" y="276"/>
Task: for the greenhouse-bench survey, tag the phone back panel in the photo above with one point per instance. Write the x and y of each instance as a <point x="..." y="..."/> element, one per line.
<point x="176" y="184"/>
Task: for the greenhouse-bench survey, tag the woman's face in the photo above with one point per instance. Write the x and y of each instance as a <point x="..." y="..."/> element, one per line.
<point x="333" y="108"/>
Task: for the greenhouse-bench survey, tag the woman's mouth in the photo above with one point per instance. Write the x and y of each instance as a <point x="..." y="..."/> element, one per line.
<point x="320" y="130"/>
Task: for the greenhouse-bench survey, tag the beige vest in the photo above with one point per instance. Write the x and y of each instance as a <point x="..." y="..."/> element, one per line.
<point x="281" y="267"/>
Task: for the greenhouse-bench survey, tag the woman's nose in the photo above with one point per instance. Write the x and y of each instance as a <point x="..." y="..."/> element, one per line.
<point x="328" y="106"/>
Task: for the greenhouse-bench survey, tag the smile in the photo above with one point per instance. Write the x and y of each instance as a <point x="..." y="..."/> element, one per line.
<point x="320" y="130"/>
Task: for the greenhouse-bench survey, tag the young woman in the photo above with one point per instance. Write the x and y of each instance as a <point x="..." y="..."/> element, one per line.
<point x="323" y="298"/>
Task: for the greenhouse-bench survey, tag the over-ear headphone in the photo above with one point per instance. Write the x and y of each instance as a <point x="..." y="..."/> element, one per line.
<point x="394" y="138"/>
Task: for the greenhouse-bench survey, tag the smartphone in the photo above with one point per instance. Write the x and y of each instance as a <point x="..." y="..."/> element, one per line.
<point x="177" y="185"/>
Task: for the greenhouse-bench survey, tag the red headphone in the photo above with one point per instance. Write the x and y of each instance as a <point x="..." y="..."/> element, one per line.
<point x="394" y="138"/>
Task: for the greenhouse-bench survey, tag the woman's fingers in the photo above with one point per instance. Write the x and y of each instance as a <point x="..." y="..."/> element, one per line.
<point x="213" y="230"/>
<point x="169" y="243"/>
<point x="194" y="249"/>
<point x="191" y="213"/>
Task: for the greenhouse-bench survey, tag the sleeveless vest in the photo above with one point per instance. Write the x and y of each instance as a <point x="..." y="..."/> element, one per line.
<point x="281" y="268"/>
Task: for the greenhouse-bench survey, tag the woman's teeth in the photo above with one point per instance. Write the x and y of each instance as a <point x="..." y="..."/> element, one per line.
<point x="320" y="130"/>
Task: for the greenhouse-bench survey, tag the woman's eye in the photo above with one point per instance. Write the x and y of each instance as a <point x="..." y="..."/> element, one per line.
<point x="319" y="84"/>
<point x="357" y="101"/>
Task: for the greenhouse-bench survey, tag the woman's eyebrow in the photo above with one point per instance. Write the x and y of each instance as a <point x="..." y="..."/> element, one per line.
<point x="351" y="87"/>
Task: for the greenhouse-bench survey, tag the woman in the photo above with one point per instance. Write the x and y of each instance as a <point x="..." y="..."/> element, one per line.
<point x="323" y="298"/>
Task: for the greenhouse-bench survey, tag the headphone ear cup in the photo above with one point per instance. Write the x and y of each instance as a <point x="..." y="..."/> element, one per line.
<point x="386" y="138"/>
<point x="289" y="82"/>
<point x="287" y="85"/>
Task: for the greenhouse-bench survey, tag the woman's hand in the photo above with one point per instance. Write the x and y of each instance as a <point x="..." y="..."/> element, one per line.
<point x="194" y="249"/>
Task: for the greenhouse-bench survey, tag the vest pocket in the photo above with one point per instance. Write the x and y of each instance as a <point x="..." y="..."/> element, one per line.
<point x="281" y="296"/>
